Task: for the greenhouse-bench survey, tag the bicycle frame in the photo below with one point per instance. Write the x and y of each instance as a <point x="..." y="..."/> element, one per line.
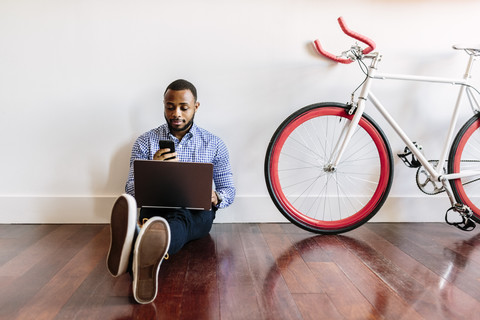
<point x="366" y="94"/>
<point x="329" y="166"/>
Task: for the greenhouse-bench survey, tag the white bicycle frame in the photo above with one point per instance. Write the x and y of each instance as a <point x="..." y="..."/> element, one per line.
<point x="437" y="173"/>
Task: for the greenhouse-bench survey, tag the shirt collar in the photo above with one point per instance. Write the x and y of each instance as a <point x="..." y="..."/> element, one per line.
<point x="190" y="134"/>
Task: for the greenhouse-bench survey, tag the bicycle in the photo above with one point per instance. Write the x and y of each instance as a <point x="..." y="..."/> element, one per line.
<point x="329" y="166"/>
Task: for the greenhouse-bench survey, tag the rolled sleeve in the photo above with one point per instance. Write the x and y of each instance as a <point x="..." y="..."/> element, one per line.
<point x="223" y="176"/>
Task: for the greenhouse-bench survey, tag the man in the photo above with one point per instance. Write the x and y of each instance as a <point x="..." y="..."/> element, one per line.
<point x="166" y="231"/>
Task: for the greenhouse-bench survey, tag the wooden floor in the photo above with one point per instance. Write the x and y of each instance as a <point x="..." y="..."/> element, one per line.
<point x="249" y="271"/>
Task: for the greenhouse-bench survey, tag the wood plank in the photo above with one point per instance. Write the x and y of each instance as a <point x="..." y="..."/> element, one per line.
<point x="458" y="241"/>
<point x="349" y="302"/>
<point x="200" y="298"/>
<point x="288" y="251"/>
<point x="248" y="271"/>
<point x="294" y="270"/>
<point x="235" y="282"/>
<point x="316" y="306"/>
<point x="49" y="300"/>
<point x="433" y="291"/>
<point x="45" y="244"/>
<point x="309" y="248"/>
<point x="442" y="261"/>
<point x="372" y="283"/>
<point x="386" y="302"/>
<point x="14" y="239"/>
<point x="274" y="298"/>
<point x="48" y="256"/>
<point x="100" y="295"/>
<point x="171" y="284"/>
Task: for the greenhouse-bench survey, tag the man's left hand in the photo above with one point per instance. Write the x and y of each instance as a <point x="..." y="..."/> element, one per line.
<point x="214" y="199"/>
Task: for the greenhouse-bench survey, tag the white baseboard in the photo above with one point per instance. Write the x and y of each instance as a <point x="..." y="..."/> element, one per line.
<point x="63" y="209"/>
<point x="395" y="209"/>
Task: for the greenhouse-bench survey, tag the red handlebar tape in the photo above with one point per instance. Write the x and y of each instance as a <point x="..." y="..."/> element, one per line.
<point x="369" y="42"/>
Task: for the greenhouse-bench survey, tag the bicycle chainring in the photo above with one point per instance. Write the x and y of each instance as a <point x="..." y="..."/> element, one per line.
<point x="426" y="184"/>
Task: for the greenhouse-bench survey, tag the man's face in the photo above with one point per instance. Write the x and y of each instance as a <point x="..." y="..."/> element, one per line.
<point x="180" y="108"/>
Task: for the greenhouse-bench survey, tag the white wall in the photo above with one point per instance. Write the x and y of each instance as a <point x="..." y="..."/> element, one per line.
<point x="80" y="80"/>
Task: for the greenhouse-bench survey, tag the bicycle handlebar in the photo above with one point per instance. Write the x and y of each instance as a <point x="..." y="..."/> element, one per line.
<point x="370" y="43"/>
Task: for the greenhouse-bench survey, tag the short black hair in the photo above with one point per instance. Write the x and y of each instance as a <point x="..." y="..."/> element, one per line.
<point x="182" y="84"/>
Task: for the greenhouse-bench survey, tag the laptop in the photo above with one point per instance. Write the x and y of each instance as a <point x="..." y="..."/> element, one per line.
<point x="168" y="184"/>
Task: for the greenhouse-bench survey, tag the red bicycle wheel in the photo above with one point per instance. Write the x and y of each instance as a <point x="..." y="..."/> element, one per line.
<point x="303" y="186"/>
<point x="464" y="156"/>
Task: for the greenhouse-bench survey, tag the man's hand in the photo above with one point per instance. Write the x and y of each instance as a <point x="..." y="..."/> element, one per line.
<point x="165" y="155"/>
<point x="214" y="198"/>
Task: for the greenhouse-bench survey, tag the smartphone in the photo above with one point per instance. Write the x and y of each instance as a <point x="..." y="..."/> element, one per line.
<point x="167" y="144"/>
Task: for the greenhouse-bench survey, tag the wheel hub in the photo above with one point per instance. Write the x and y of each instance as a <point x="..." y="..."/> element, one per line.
<point x="330" y="168"/>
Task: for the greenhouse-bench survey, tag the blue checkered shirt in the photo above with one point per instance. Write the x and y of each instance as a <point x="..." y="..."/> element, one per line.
<point x="198" y="145"/>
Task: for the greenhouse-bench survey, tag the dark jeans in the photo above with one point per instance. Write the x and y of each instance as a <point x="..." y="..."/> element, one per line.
<point x="185" y="225"/>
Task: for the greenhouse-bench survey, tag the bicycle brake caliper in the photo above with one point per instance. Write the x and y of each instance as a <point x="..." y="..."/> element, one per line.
<point x="352" y="105"/>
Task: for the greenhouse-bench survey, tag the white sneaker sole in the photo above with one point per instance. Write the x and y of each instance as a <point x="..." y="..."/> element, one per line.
<point x="122" y="231"/>
<point x="150" y="249"/>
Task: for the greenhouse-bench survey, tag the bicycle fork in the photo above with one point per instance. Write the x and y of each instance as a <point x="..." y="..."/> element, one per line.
<point x="345" y="137"/>
<point x="349" y="129"/>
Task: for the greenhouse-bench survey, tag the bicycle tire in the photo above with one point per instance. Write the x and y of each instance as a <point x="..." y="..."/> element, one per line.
<point x="465" y="155"/>
<point x="302" y="190"/>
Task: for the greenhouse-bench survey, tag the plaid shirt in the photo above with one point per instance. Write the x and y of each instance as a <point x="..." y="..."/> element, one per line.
<point x="198" y="145"/>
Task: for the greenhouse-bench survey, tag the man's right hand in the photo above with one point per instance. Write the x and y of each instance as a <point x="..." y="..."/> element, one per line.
<point x="165" y="155"/>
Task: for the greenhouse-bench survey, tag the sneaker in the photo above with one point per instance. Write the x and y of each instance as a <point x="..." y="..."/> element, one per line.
<point x="150" y="249"/>
<point x="122" y="231"/>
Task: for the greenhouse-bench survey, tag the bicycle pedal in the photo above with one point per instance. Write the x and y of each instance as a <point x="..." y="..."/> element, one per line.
<point x="413" y="161"/>
<point x="469" y="225"/>
<point x="466" y="224"/>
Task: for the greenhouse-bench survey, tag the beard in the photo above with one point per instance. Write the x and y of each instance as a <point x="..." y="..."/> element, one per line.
<point x="184" y="128"/>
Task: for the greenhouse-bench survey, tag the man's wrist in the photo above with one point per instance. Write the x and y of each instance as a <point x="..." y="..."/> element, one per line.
<point x="219" y="199"/>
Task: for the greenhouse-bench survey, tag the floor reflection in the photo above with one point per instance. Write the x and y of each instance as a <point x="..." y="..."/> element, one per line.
<point x="315" y="249"/>
<point x="459" y="257"/>
<point x="239" y="278"/>
<point x="442" y="298"/>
